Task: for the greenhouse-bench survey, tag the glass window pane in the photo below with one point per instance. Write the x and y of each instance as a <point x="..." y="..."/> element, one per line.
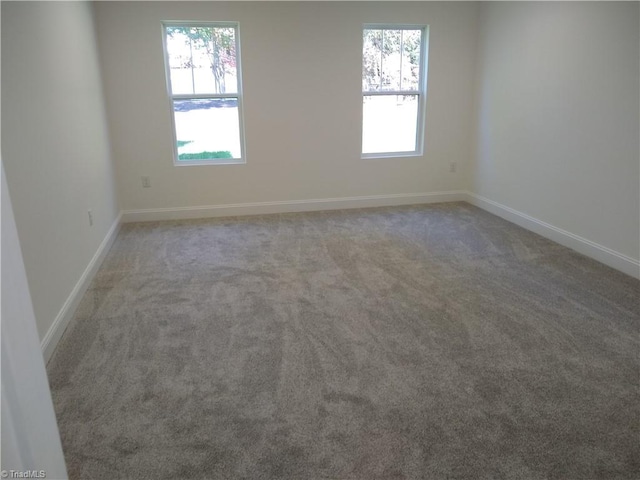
<point x="389" y="123"/>
<point x="411" y="59"/>
<point x="371" y="59"/>
<point x="214" y="58"/>
<point x="391" y="59"/>
<point x="180" y="64"/>
<point x="207" y="129"/>
<point x="202" y="60"/>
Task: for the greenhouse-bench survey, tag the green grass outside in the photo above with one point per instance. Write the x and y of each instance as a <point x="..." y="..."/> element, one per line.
<point x="205" y="155"/>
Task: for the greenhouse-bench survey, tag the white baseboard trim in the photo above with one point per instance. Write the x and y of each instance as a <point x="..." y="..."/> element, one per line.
<point x="53" y="336"/>
<point x="261" y="208"/>
<point x="586" y="247"/>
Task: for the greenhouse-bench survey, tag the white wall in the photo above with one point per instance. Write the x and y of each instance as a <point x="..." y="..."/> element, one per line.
<point x="302" y="102"/>
<point x="558" y="116"/>
<point x="55" y="146"/>
<point x="30" y="438"/>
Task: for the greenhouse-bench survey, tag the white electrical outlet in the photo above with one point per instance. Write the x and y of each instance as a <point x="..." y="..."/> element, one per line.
<point x="453" y="167"/>
<point x="146" y="182"/>
<point x="90" y="218"/>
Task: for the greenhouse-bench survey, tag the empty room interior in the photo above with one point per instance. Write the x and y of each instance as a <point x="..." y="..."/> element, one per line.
<point x="320" y="240"/>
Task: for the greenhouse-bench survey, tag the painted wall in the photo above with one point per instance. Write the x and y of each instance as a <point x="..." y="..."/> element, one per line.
<point x="558" y="116"/>
<point x="302" y="102"/>
<point x="55" y="146"/>
<point x="30" y="437"/>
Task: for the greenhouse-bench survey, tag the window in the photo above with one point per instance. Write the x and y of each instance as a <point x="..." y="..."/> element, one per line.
<point x="393" y="90"/>
<point x="203" y="78"/>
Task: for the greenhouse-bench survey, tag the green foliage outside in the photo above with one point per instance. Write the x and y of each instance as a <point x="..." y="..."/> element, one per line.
<point x="205" y="155"/>
<point x="182" y="143"/>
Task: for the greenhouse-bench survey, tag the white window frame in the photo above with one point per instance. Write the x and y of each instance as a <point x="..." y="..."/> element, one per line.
<point x="196" y="96"/>
<point x="421" y="92"/>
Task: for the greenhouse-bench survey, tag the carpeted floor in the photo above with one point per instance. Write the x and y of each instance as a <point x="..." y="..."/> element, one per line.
<point x="421" y="342"/>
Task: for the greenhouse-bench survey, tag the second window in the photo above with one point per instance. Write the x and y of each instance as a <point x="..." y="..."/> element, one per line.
<point x="393" y="90"/>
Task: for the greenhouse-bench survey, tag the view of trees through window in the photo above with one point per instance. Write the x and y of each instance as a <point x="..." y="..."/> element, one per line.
<point x="391" y="59"/>
<point x="203" y="70"/>
<point x="391" y="89"/>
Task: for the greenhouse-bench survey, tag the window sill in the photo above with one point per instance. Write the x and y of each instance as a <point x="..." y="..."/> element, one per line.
<point x="374" y="156"/>
<point x="214" y="161"/>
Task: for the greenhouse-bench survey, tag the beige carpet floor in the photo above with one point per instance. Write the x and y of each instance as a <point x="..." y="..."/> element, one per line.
<point x="420" y="342"/>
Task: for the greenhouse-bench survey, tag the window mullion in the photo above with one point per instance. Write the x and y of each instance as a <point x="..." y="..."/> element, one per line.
<point x="201" y="96"/>
<point x="390" y="92"/>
